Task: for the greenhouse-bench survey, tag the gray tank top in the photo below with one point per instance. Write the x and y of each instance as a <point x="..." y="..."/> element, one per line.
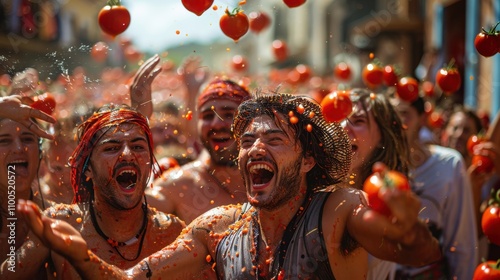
<point x="302" y="254"/>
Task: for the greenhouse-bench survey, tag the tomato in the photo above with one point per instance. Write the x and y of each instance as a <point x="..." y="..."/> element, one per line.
<point x="336" y="106"/>
<point x="484" y="163"/>
<point x="472" y="142"/>
<point x="342" y="71"/>
<point x="300" y="74"/>
<point x="428" y="88"/>
<point x="304" y="71"/>
<point x="114" y="19"/>
<point x="280" y="50"/>
<point x="435" y="120"/>
<point x="390" y="76"/>
<point x="234" y="24"/>
<point x="44" y="102"/>
<point x="99" y="52"/>
<point x="372" y="75"/>
<point x="448" y="79"/>
<point x="131" y="54"/>
<point x="239" y="63"/>
<point x="294" y="3"/>
<point x="487" y="43"/>
<point x="198" y="7"/>
<point x="490" y="223"/>
<point x="407" y="89"/>
<point x="258" y="21"/>
<point x="487" y="270"/>
<point x="379" y="180"/>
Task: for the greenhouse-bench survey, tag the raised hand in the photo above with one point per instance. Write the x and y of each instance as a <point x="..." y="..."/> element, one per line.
<point x="55" y="234"/>
<point x="193" y="74"/>
<point x="140" y="90"/>
<point x="16" y="108"/>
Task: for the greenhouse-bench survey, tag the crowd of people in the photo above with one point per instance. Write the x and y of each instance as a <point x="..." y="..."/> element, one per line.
<point x="182" y="173"/>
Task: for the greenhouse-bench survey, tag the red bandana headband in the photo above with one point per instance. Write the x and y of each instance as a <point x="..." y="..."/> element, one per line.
<point x="89" y="132"/>
<point x="223" y="89"/>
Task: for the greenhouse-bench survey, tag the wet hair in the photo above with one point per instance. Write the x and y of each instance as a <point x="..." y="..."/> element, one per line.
<point x="393" y="150"/>
<point x="89" y="133"/>
<point x="327" y="142"/>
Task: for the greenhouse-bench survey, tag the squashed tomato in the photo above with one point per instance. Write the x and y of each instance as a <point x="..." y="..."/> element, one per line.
<point x="336" y="106"/>
<point x="198" y="7"/>
<point x="382" y="178"/>
<point x="114" y="18"/>
<point x="44" y="102"/>
<point x="234" y="24"/>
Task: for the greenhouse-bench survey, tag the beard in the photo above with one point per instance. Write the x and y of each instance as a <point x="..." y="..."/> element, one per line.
<point x="286" y="188"/>
<point x="226" y="156"/>
<point x="108" y="190"/>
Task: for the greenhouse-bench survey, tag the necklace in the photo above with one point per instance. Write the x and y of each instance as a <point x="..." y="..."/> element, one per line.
<point x="276" y="267"/>
<point x="115" y="244"/>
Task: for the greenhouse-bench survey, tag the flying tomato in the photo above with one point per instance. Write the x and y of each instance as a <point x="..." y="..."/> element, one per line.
<point x="336" y="106"/>
<point x="234" y="24"/>
<point x="487" y="43"/>
<point x="198" y="7"/>
<point x="114" y="18"/>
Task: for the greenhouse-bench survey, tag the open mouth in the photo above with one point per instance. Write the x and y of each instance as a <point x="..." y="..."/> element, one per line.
<point x="19" y="167"/>
<point x="354" y="148"/>
<point x="221" y="140"/>
<point x="127" y="179"/>
<point x="261" y="174"/>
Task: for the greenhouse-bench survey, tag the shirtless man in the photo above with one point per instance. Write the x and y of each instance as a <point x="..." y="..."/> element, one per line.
<point x="300" y="222"/>
<point x="213" y="178"/>
<point x="110" y="169"/>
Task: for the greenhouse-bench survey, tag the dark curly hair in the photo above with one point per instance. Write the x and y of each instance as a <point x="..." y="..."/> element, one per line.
<point x="326" y="142"/>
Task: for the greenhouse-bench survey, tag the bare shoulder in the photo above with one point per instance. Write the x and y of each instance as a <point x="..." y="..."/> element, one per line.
<point x="186" y="175"/>
<point x="344" y="199"/>
<point x="217" y="220"/>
